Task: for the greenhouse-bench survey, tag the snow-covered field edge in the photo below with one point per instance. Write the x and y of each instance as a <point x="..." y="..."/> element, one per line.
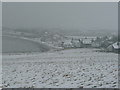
<point x="72" y="68"/>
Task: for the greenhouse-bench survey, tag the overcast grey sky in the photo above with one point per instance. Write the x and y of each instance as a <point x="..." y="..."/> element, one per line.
<point x="61" y="15"/>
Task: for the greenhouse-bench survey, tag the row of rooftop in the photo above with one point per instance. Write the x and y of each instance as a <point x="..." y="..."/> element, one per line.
<point x="107" y="43"/>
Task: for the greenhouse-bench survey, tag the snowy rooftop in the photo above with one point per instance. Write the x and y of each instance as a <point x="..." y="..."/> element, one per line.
<point x="116" y="45"/>
<point x="87" y="41"/>
<point x="67" y="41"/>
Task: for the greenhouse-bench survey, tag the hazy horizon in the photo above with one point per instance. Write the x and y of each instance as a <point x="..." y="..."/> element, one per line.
<point x="65" y="16"/>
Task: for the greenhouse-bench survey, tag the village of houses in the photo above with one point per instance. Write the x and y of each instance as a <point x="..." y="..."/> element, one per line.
<point x="74" y="63"/>
<point x="106" y="44"/>
<point x="67" y="68"/>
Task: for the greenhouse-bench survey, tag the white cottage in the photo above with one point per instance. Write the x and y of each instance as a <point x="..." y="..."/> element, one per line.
<point x="67" y="44"/>
<point x="115" y="47"/>
<point x="76" y="43"/>
<point x="87" y="42"/>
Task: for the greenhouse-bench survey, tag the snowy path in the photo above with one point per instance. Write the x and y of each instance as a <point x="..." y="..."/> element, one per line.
<point x="61" y="69"/>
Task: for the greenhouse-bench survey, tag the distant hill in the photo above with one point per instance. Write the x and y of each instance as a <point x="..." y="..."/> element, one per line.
<point x="63" y="32"/>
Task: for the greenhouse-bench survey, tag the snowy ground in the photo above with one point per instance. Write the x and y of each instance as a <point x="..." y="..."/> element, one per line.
<point x="73" y="68"/>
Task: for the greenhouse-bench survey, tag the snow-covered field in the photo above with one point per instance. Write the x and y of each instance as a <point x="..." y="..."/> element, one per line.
<point x="72" y="68"/>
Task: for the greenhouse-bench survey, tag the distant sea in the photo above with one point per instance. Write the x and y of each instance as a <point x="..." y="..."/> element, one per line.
<point x="17" y="45"/>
